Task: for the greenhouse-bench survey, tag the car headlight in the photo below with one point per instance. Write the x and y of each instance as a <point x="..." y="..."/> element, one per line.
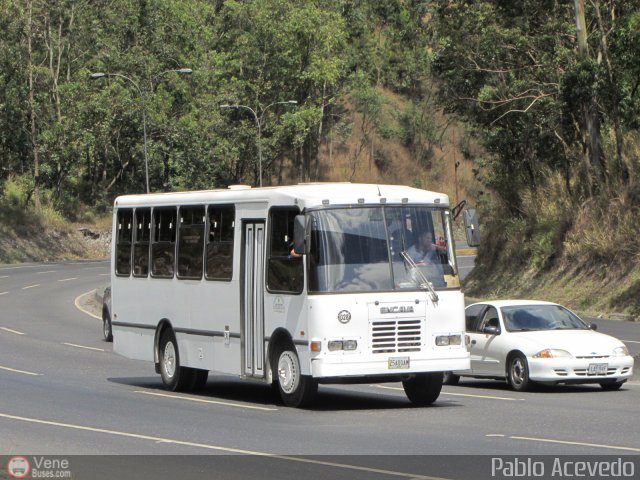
<point x="622" y="351"/>
<point x="553" y="353"/>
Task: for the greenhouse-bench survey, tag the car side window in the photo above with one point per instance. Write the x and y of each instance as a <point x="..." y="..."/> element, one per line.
<point x="490" y="318"/>
<point x="472" y="317"/>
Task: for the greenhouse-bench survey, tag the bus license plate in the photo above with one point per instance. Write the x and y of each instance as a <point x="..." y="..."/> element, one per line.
<point x="396" y="363"/>
<point x="598" y="368"/>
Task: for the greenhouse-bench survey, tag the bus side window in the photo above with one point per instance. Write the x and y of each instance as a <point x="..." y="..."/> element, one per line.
<point x="285" y="273"/>
<point x="221" y="221"/>
<point x="163" y="246"/>
<point x="141" y="242"/>
<point x="191" y="242"/>
<point x="124" y="224"/>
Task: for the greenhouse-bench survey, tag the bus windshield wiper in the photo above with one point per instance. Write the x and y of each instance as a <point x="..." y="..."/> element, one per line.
<point x="424" y="283"/>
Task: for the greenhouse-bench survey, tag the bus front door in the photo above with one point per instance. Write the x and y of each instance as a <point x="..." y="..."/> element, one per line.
<point x="253" y="297"/>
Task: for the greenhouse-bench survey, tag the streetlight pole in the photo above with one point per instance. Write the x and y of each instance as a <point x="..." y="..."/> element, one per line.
<point x="97" y="75"/>
<point x="259" y="123"/>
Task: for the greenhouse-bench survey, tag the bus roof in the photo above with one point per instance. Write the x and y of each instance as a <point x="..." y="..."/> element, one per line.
<point x="305" y="195"/>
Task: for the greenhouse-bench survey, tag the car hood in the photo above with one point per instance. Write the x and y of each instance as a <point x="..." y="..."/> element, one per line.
<point x="577" y="342"/>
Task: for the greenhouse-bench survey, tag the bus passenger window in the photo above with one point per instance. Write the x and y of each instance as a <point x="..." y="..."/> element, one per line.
<point x="221" y="226"/>
<point x="124" y="224"/>
<point x="285" y="273"/>
<point x="191" y="242"/>
<point x="163" y="246"/>
<point x="141" y="242"/>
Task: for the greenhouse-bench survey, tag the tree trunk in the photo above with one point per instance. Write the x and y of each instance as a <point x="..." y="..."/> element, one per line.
<point x="32" y="108"/>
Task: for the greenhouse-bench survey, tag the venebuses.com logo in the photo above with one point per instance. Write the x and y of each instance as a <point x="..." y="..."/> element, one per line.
<point x="18" y="467"/>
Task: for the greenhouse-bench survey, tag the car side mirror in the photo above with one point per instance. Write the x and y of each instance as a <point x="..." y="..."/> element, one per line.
<point x="491" y="330"/>
<point x="593" y="326"/>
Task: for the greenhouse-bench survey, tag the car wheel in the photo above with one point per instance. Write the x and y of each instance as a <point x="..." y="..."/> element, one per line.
<point x="107" y="333"/>
<point x="518" y="373"/>
<point x="449" y="378"/>
<point x="296" y="390"/>
<point x="174" y="377"/>
<point x="423" y="388"/>
<point x="611" y="386"/>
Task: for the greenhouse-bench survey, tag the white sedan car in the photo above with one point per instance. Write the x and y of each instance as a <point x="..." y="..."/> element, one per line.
<point x="526" y="341"/>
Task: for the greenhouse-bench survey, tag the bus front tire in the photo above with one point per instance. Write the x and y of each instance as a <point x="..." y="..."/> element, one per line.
<point x="423" y="388"/>
<point x="296" y="390"/>
<point x="174" y="377"/>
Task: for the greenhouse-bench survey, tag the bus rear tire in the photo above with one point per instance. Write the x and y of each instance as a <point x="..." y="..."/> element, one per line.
<point x="174" y="377"/>
<point x="423" y="388"/>
<point x="296" y="390"/>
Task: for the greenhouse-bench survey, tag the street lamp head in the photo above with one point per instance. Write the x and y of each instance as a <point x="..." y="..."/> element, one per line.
<point x="95" y="76"/>
<point x="184" y="71"/>
<point x="228" y="106"/>
<point x="293" y="102"/>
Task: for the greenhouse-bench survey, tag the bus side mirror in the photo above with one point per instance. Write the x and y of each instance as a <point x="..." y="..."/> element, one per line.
<point x="300" y="244"/>
<point x="471" y="227"/>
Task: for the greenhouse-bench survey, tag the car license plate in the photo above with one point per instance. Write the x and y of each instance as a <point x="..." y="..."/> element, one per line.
<point x="598" y="368"/>
<point x="396" y="363"/>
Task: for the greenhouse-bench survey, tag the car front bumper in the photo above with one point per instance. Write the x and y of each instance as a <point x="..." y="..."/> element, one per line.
<point x="577" y="370"/>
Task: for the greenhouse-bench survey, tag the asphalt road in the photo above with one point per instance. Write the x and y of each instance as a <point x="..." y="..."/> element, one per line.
<point x="63" y="392"/>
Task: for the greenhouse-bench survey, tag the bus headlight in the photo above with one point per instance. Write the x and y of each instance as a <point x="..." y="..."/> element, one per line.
<point x="346" y="345"/>
<point x="446" y="340"/>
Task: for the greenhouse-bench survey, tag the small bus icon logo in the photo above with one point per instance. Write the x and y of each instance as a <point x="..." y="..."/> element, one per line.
<point x="18" y="467"/>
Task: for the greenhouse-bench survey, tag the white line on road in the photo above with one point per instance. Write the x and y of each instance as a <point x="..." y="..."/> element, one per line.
<point x="48" y="271"/>
<point x="459" y="394"/>
<point x="68" y="279"/>
<point x="76" y="302"/>
<point x="104" y="274"/>
<point x="219" y="448"/>
<point x="11" y="330"/>
<point x="82" y="346"/>
<point x="630" y="341"/>
<point x="4" y="276"/>
<point x="20" y="371"/>
<point x="201" y="400"/>
<point x="581" y="444"/>
<point x="3" y="293"/>
<point x="31" y="286"/>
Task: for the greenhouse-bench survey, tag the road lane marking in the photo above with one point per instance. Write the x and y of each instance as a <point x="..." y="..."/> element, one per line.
<point x="82" y="346"/>
<point x="4" y="276"/>
<point x="201" y="400"/>
<point x="495" y="435"/>
<point x="104" y="274"/>
<point x="48" y="271"/>
<point x="581" y="444"/>
<point x="20" y="371"/>
<point x="68" y="279"/>
<point x="31" y="286"/>
<point x="490" y="397"/>
<point x="11" y="330"/>
<point x="3" y="293"/>
<point x="207" y="446"/>
<point x="76" y="302"/>
<point x="630" y="341"/>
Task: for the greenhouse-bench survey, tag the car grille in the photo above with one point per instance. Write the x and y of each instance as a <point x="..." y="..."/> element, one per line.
<point x="583" y="372"/>
<point x="391" y="336"/>
<point x="592" y="356"/>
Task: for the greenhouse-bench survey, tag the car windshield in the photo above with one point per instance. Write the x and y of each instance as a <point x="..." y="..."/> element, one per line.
<point x="380" y="248"/>
<point x="524" y="318"/>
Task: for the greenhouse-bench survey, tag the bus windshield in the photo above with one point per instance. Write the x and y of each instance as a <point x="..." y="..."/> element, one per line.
<point x="381" y="248"/>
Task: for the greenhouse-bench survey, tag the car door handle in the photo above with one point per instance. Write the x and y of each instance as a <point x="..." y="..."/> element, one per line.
<point x="473" y="342"/>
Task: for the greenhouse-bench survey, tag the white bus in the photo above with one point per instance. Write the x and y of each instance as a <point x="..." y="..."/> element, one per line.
<point x="294" y="285"/>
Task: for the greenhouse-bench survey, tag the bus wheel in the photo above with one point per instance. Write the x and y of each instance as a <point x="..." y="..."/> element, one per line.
<point x="296" y="390"/>
<point x="423" y="388"/>
<point x="174" y="377"/>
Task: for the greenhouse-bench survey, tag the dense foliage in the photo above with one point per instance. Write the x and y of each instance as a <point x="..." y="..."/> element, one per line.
<point x="78" y="141"/>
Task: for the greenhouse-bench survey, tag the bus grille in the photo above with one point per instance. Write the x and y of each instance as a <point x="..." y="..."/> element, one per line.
<point x="391" y="336"/>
